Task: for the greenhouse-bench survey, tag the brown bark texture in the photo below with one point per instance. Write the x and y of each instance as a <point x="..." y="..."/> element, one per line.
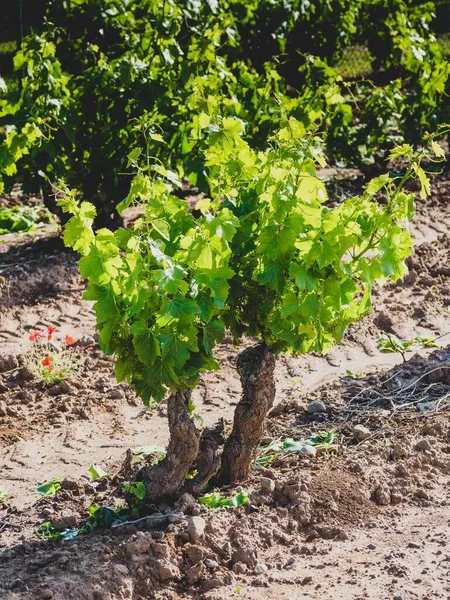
<point x="256" y="367"/>
<point x="164" y="480"/>
<point x="208" y="459"/>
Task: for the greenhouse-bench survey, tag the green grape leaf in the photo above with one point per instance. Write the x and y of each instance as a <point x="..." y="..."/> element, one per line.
<point x="212" y="332"/>
<point x="438" y="151"/>
<point x="50" y="487"/>
<point x="278" y="239"/>
<point x="171" y="280"/>
<point x="133" y="156"/>
<point x="105" y="308"/>
<point x="145" y="343"/>
<point x="405" y="150"/>
<point x="177" y="347"/>
<point x="99" y="266"/>
<point x="123" y="368"/>
<point x="157" y="137"/>
<point x="78" y="234"/>
<point x="425" y="189"/>
<point x="376" y="184"/>
<point x="96" y="472"/>
<point x="303" y="279"/>
<point x="179" y="308"/>
<point x="273" y="275"/>
<point x="231" y="126"/>
<point x="162" y="373"/>
<point x="162" y="227"/>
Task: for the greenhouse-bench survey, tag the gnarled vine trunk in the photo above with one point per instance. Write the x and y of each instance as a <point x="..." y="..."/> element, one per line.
<point x="208" y="460"/>
<point x="166" y="479"/>
<point x="256" y="367"/>
<point x="188" y="446"/>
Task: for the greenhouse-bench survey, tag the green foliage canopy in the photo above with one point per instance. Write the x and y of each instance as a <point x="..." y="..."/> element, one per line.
<point x="267" y="257"/>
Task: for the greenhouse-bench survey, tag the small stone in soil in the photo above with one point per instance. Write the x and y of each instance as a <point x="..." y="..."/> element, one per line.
<point x="261" y="568"/>
<point x="267" y="484"/>
<point x="121" y="569"/>
<point x="176" y="517"/>
<point x="361" y="433"/>
<point x="316" y="406"/>
<point x="211" y="564"/>
<point x="423" y="445"/>
<point x="423" y="406"/>
<point x="196" y="528"/>
<point x="66" y="388"/>
<point x="12" y="412"/>
<point x="372" y="546"/>
<point x="117" y="394"/>
<point x="227" y="548"/>
<point x="308" y="451"/>
<point x="25" y="373"/>
<point x="422" y="494"/>
<point x="290" y="563"/>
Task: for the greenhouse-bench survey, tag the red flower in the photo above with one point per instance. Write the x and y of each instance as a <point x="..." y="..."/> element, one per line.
<point x="35" y="336"/>
<point x="69" y="340"/>
<point x="50" y="367"/>
<point x="80" y="350"/>
<point x="50" y="331"/>
<point x="47" y="362"/>
<point x="89" y="349"/>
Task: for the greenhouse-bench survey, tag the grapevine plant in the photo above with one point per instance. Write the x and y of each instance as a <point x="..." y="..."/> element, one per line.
<point x="266" y="257"/>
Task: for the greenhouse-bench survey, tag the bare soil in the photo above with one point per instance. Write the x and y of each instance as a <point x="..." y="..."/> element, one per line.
<point x="368" y="518"/>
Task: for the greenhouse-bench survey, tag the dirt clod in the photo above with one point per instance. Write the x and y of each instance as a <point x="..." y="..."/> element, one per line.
<point x="65" y="521"/>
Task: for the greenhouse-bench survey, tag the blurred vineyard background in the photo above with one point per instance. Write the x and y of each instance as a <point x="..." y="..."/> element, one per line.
<point x="21" y="17"/>
<point x="82" y="80"/>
